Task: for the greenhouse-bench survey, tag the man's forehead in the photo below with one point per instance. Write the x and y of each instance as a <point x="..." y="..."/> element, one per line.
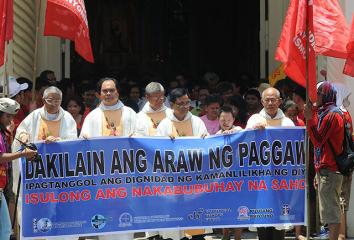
<point x="270" y="93"/>
<point x="156" y="93"/>
<point x="108" y="84"/>
<point x="182" y="98"/>
<point x="54" y="95"/>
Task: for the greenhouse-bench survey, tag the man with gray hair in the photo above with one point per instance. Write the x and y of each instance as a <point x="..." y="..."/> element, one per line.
<point x="49" y="123"/>
<point x="270" y="115"/>
<point x="153" y="112"/>
<point x="148" y="119"/>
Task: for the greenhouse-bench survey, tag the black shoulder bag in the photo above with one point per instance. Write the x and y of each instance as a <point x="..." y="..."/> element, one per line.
<point x="345" y="160"/>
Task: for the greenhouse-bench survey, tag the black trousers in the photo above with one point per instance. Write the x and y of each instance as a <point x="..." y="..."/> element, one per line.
<point x="270" y="233"/>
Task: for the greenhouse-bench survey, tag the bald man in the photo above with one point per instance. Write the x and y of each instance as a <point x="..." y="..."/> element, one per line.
<point x="270" y="115"/>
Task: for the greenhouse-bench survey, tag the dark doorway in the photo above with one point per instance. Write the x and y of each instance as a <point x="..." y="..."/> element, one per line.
<point x="144" y="39"/>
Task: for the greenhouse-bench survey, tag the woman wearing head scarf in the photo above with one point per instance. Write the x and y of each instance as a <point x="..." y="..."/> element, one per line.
<point x="326" y="127"/>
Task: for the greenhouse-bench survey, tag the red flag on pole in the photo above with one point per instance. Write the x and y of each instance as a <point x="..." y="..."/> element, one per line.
<point x="67" y="19"/>
<point x="291" y="49"/>
<point x="349" y="63"/>
<point x="6" y="26"/>
<point x="330" y="28"/>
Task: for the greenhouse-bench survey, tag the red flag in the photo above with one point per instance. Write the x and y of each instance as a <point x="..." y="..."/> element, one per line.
<point x="349" y="63"/>
<point x="330" y="28"/>
<point x="291" y="49"/>
<point x="6" y="26"/>
<point x="67" y="19"/>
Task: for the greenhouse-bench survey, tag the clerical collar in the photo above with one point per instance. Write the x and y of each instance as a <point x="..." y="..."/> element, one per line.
<point x="148" y="109"/>
<point x="172" y="117"/>
<point x="116" y="106"/>
<point x="280" y="114"/>
<point x="52" y="116"/>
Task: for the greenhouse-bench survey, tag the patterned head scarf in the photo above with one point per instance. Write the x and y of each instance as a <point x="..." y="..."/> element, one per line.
<point x="328" y="92"/>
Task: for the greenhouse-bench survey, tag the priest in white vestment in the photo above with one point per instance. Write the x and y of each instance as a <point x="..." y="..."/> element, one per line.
<point x="153" y="112"/>
<point x="49" y="124"/>
<point x="149" y="118"/>
<point x="181" y="123"/>
<point x="270" y="116"/>
<point x="110" y="118"/>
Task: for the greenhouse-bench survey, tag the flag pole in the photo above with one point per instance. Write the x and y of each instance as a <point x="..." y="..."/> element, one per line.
<point x="35" y="57"/>
<point x="6" y="80"/>
<point x="307" y="140"/>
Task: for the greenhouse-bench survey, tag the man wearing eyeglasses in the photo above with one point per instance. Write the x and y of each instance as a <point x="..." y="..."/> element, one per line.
<point x="149" y="118"/>
<point x="180" y="122"/>
<point x="153" y="112"/>
<point x="49" y="123"/>
<point x="270" y="115"/>
<point x="110" y="118"/>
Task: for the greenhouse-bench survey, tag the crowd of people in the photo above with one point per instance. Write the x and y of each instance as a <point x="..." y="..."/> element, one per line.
<point x="69" y="110"/>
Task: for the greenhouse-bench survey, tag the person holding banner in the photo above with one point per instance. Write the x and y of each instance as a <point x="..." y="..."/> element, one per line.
<point x="8" y="109"/>
<point x="270" y="115"/>
<point x="110" y="118"/>
<point x="226" y="120"/>
<point x="180" y="122"/>
<point x="153" y="112"/>
<point x="49" y="123"/>
<point x="325" y="125"/>
<point x="150" y="116"/>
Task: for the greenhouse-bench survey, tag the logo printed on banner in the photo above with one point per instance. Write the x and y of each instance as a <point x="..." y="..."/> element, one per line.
<point x="98" y="221"/>
<point x="55" y="184"/>
<point x="243" y="213"/>
<point x="42" y="225"/>
<point x="285" y="209"/>
<point x="125" y="220"/>
<point x="196" y="215"/>
<point x="285" y="213"/>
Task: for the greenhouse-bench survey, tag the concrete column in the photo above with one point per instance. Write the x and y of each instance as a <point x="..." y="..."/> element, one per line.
<point x="276" y="12"/>
<point x="50" y="49"/>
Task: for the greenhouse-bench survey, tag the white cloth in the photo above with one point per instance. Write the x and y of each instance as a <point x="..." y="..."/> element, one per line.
<point x="342" y="93"/>
<point x="173" y="234"/>
<point x="165" y="126"/>
<point x="285" y="122"/>
<point x="165" y="129"/>
<point x="142" y="129"/>
<point x="262" y="116"/>
<point x="143" y="121"/>
<point x="151" y="234"/>
<point x="121" y="236"/>
<point x="30" y="126"/>
<point x="92" y="126"/>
